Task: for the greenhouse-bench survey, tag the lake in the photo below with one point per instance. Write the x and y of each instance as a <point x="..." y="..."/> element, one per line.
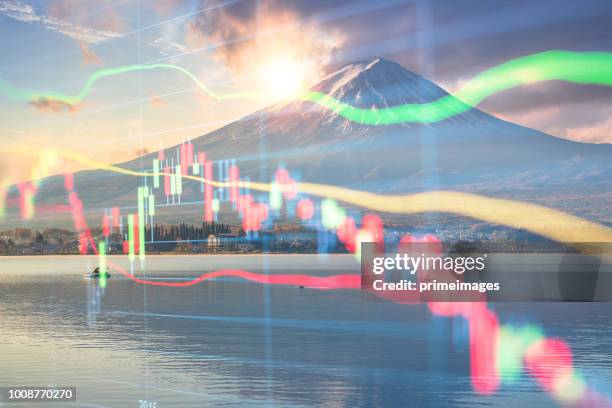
<point x="231" y="342"/>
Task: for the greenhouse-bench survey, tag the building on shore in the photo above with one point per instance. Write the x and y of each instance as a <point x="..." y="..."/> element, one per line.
<point x="222" y="242"/>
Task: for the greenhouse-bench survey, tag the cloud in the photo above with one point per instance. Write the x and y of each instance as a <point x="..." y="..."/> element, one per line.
<point x="52" y="105"/>
<point x="166" y="40"/>
<point x="167" y="47"/>
<point x="598" y="133"/>
<point x="141" y="151"/>
<point x="581" y="122"/>
<point x="247" y="33"/>
<point x="79" y="12"/>
<point x="89" y="56"/>
<point x="20" y="11"/>
<point x="225" y="25"/>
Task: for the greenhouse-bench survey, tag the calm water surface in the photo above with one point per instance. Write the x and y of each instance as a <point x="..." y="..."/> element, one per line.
<point x="236" y="343"/>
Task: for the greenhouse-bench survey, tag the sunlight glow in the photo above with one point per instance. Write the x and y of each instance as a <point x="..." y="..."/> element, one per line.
<point x="282" y="77"/>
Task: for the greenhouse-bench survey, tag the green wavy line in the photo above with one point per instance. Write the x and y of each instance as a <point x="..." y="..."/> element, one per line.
<point x="593" y="68"/>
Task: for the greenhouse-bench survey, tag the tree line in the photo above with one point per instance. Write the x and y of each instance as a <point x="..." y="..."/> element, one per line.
<point x="184" y="231"/>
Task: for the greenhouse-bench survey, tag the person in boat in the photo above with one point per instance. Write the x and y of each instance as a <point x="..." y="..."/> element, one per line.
<point x="96" y="271"/>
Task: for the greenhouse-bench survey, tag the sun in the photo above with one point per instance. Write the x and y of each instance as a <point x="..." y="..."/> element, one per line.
<point x="282" y="77"/>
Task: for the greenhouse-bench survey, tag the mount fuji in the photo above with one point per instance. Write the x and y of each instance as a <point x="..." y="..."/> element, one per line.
<point x="473" y="151"/>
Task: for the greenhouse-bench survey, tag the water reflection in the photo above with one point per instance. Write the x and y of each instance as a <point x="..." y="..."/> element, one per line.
<point x="95" y="294"/>
<point x="219" y="343"/>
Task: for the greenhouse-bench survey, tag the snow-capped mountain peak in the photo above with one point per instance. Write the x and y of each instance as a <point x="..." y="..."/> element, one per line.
<point x="378" y="83"/>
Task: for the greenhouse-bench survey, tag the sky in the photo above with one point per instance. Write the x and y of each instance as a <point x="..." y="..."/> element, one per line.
<point x="249" y="45"/>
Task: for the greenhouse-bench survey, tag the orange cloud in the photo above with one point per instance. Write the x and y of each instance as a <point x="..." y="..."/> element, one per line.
<point x="246" y="36"/>
<point x="52" y="105"/>
<point x="89" y="56"/>
<point x="597" y="133"/>
<point x="141" y="152"/>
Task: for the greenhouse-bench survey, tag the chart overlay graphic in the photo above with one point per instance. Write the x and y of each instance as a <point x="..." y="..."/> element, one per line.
<point x="255" y="202"/>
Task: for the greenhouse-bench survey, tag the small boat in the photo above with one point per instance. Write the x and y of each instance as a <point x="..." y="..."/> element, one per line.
<point x="96" y="274"/>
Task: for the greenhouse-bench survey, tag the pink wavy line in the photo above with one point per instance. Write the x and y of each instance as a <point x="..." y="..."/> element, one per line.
<point x="344" y="281"/>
